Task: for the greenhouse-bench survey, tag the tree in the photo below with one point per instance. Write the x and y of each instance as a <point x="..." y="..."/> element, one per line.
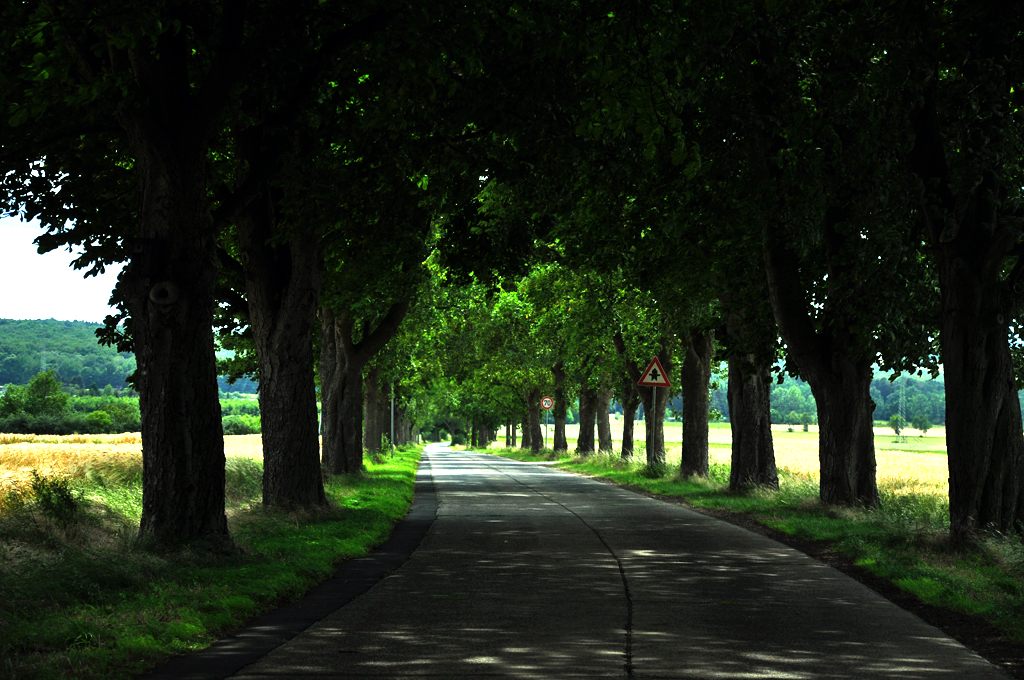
<point x="921" y="423"/>
<point x="898" y="423"/>
<point x="146" y="91"/>
<point x="42" y="396"/>
<point x="965" y="57"/>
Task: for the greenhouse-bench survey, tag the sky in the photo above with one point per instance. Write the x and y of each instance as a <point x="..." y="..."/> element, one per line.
<point x="34" y="286"/>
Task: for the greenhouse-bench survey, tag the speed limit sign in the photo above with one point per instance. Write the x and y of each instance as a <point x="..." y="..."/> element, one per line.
<point x="546" y="403"/>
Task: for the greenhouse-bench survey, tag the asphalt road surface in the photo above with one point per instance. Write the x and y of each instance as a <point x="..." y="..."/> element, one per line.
<point x="528" y="572"/>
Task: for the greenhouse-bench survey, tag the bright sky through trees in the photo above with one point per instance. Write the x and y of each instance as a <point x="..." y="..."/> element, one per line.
<point x="45" y="286"/>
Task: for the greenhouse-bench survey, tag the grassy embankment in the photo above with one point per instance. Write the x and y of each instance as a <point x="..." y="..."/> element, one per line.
<point x="79" y="597"/>
<point x="905" y="541"/>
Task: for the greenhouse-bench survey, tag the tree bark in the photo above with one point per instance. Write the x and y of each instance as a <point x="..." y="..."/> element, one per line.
<point x="588" y="419"/>
<point x="283" y="288"/>
<point x="372" y="398"/>
<point x="971" y="245"/>
<point x="527" y="439"/>
<point x="170" y="286"/>
<point x="341" y="381"/>
<point x="752" y="444"/>
<point x="753" y="452"/>
<point x="654" y="418"/>
<point x="533" y="404"/>
<point x="630" y="405"/>
<point x="604" y="426"/>
<point x="695" y="381"/>
<point x="836" y="363"/>
<point x="559" y="442"/>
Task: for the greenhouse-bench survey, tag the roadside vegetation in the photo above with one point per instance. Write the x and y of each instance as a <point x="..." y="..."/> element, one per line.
<point x="81" y="596"/>
<point x="905" y="540"/>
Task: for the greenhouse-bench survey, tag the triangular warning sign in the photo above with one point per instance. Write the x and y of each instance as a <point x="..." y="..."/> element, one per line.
<point x="654" y="375"/>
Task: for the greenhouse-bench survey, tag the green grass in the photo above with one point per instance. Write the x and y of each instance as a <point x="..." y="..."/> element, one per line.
<point x="905" y="541"/>
<point x="85" y="600"/>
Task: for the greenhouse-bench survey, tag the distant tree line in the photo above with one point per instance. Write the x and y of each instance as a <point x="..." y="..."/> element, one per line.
<point x="792" y="402"/>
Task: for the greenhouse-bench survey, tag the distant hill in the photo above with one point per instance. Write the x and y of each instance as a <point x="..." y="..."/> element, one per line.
<point x="68" y="347"/>
<point x="71" y="349"/>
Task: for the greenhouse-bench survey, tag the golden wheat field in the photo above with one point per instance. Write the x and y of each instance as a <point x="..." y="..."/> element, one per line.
<point x="74" y="455"/>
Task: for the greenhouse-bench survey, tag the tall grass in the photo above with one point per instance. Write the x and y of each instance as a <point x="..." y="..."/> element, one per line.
<point x="81" y="597"/>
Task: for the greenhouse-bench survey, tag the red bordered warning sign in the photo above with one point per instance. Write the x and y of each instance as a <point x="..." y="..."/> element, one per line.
<point x="654" y="375"/>
<point x="546" y="403"/>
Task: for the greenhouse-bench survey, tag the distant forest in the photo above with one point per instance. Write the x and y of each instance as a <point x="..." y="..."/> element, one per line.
<point x="70" y="348"/>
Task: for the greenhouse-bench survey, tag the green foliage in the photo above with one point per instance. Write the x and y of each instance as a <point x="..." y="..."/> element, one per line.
<point x="241" y="424"/>
<point x="898" y="423"/>
<point x="99" y="422"/>
<point x="921" y="423"/>
<point x="68" y="347"/>
<point x="458" y="439"/>
<point x="55" y="498"/>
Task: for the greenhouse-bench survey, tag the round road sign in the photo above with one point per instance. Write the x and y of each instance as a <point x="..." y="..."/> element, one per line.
<point x="546" y="403"/>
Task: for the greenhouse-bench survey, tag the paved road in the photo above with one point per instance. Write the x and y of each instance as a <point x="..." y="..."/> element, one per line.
<point x="528" y="572"/>
<point x="533" y="573"/>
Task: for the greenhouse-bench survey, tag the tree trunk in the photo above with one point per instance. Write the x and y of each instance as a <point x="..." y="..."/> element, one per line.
<point x="372" y="425"/>
<point x="170" y="291"/>
<point x="559" y="442"/>
<point x="527" y="439"/>
<point x="509" y="443"/>
<point x="696" y="378"/>
<point x="604" y="426"/>
<point x="971" y="245"/>
<point x="629" y="409"/>
<point x="588" y="419"/>
<point x="654" y="418"/>
<point x="836" y="363"/>
<point x="341" y="380"/>
<point x="282" y="289"/>
<point x="753" y="453"/>
<point x="533" y="404"/>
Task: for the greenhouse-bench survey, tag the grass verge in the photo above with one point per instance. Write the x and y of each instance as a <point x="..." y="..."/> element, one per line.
<point x="904" y="542"/>
<point x="79" y="597"/>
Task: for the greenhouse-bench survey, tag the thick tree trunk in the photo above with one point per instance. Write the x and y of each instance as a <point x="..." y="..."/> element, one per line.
<point x="695" y="381"/>
<point x="971" y="245"/>
<point x="836" y="363"/>
<point x="508" y="434"/>
<point x="753" y="453"/>
<point x="533" y="404"/>
<point x="527" y="438"/>
<point x="846" y="439"/>
<point x="341" y="380"/>
<point x="604" y="426"/>
<point x="372" y="398"/>
<point x="629" y="408"/>
<point x="559" y="442"/>
<point x="588" y="419"/>
<point x="654" y="421"/>
<point x="282" y="289"/>
<point x="170" y="289"/>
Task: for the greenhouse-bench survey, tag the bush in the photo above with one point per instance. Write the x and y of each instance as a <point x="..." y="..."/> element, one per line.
<point x="458" y="439"/>
<point x="99" y="422"/>
<point x="241" y="425"/>
<point x="55" y="498"/>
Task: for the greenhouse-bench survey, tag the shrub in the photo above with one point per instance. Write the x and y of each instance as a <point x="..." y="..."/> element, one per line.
<point x="99" y="422"/>
<point x="241" y="425"/>
<point x="55" y="498"/>
<point x="458" y="439"/>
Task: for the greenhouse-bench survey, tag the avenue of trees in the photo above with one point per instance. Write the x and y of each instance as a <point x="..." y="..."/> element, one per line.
<point x="471" y="206"/>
